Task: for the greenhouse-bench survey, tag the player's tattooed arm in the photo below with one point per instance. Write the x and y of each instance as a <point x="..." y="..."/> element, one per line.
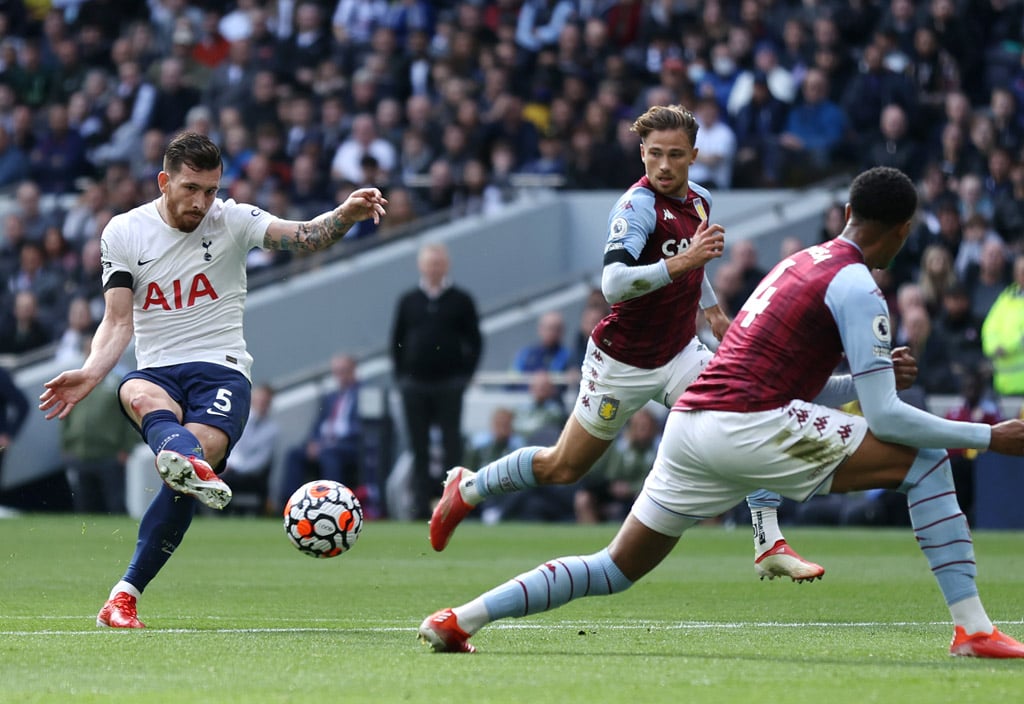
<point x="326" y="229"/>
<point x="310" y="236"/>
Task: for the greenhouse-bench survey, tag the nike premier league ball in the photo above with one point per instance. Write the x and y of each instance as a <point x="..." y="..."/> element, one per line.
<point x="323" y="518"/>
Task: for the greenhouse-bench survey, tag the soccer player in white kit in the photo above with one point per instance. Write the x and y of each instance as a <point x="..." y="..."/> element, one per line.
<point x="748" y="421"/>
<point x="174" y="276"/>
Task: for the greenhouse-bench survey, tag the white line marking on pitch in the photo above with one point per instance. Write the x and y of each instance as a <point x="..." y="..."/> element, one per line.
<point x="614" y="626"/>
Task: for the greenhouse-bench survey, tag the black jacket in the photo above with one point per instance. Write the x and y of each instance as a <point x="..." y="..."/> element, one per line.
<point x="435" y="339"/>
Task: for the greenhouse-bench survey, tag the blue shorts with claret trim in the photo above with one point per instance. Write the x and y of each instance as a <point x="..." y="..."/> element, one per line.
<point x="210" y="394"/>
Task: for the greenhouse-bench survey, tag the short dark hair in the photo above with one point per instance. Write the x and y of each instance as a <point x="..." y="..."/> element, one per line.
<point x="194" y="150"/>
<point x="884" y="195"/>
<point x="666" y="117"/>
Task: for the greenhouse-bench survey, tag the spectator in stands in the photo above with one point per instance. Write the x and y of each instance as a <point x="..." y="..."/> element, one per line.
<point x="1006" y="119"/>
<point x="833" y="221"/>
<point x="435" y="349"/>
<point x="778" y="79"/>
<point x="908" y="297"/>
<point x="44" y="283"/>
<point x="28" y="201"/>
<point x="22" y="329"/>
<point x="976" y="232"/>
<point x="758" y="124"/>
<point x="118" y="140"/>
<point x="173" y="99"/>
<point x="230" y="81"/>
<point x="14" y="164"/>
<point x="936" y="276"/>
<point x="550" y="167"/>
<point x="974" y="199"/>
<point x="935" y="373"/>
<point x="497" y="441"/>
<point x="1001" y="336"/>
<point x="744" y="254"/>
<point x="94" y="449"/>
<point x="716" y="145"/>
<point x="261" y="106"/>
<point x="955" y="153"/>
<point x="589" y="319"/>
<point x="478" y="196"/>
<point x="77" y="331"/>
<point x="548" y="351"/>
<point x="895" y="146"/>
<point x="346" y="163"/>
<point x="248" y="467"/>
<point x="1008" y="208"/>
<point x="815" y="130"/>
<point x="871" y="89"/>
<point x="13" y="411"/>
<point x="989" y="278"/>
<point x="332" y="447"/>
<point x="401" y="212"/>
<point x="609" y="489"/>
<point x="540" y="420"/>
<point x="934" y="73"/>
<point x="960" y="331"/>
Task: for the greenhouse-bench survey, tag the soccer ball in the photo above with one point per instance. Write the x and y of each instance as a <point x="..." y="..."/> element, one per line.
<point x="323" y="518"/>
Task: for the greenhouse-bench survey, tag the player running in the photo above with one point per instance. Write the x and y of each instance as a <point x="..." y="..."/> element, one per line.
<point x="646" y="349"/>
<point x="745" y="423"/>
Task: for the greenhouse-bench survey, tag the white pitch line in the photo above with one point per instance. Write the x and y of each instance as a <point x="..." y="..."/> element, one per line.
<point x="612" y="626"/>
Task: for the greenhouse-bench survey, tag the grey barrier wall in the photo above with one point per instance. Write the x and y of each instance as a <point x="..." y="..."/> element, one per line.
<point x="540" y="244"/>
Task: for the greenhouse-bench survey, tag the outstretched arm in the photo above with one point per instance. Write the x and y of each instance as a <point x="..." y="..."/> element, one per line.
<point x="326" y="229"/>
<point x="112" y="337"/>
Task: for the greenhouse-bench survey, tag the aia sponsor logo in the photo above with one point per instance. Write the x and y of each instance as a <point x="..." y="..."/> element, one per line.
<point x="179" y="296"/>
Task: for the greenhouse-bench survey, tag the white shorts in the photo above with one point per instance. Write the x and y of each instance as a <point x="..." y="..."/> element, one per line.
<point x="611" y="392"/>
<point x="708" y="461"/>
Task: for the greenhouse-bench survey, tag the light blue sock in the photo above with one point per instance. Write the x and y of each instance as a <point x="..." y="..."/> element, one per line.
<point x="508" y="474"/>
<point x="556" y="583"/>
<point x="762" y="498"/>
<point x="940" y="526"/>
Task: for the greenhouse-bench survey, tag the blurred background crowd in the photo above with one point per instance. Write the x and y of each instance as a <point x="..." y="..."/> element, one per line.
<point x="455" y="108"/>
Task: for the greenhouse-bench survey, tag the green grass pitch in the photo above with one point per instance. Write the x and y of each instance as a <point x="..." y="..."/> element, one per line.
<point x="238" y="615"/>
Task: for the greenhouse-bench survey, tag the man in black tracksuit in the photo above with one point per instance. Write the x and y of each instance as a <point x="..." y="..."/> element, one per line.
<point x="435" y="349"/>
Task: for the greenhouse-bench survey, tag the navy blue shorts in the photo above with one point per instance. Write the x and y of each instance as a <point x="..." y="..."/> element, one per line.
<point x="208" y="393"/>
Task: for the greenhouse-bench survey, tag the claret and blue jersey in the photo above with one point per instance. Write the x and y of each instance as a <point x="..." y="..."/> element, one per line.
<point x="651" y="329"/>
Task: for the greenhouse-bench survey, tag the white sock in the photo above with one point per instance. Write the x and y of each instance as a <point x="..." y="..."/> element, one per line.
<point x="123" y="586"/>
<point x="472" y="616"/>
<point x="766" y="529"/>
<point x="467" y="489"/>
<point x="970" y="615"/>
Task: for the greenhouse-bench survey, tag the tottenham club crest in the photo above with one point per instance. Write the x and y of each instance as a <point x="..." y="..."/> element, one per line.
<point x="206" y="246"/>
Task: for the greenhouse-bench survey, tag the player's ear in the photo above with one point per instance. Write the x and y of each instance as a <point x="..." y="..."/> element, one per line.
<point x="162" y="179"/>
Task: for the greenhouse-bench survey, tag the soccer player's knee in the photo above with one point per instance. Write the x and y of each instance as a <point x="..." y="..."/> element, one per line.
<point x="142" y="403"/>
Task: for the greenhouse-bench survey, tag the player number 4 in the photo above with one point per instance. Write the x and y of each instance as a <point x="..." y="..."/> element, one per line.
<point x="762" y="295"/>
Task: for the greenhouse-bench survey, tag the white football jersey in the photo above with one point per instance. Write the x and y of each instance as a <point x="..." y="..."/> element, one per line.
<point x="189" y="287"/>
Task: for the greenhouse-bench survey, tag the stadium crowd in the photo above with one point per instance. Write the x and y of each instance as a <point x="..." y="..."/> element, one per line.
<point x="452" y="107"/>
